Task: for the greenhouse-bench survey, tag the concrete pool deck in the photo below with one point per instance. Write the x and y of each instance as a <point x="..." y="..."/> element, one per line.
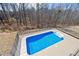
<point x="66" y="47"/>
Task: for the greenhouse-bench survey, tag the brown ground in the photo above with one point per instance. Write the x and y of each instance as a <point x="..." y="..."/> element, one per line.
<point x="6" y="42"/>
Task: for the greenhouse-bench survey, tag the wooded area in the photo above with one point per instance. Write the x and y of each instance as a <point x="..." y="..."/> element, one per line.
<point x="22" y="16"/>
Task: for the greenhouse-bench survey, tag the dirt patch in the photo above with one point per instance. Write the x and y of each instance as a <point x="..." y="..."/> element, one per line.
<point x="6" y="42"/>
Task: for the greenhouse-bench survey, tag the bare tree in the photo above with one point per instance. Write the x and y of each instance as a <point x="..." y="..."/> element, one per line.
<point x="4" y="11"/>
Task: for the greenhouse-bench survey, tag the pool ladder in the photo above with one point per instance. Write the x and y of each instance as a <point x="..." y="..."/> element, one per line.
<point x="76" y="53"/>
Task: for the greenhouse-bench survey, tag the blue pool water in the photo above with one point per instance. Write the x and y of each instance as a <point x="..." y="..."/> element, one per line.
<point x="41" y="41"/>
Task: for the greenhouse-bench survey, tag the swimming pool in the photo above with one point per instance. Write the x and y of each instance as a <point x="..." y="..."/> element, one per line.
<point x="41" y="41"/>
